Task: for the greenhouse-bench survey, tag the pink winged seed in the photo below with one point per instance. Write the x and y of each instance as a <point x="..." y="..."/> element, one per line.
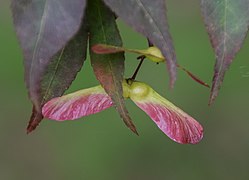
<point x="178" y="126"/>
<point x="74" y="107"/>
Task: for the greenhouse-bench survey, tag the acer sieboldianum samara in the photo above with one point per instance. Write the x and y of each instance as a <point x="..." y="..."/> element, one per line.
<point x="175" y="123"/>
<point x="54" y="36"/>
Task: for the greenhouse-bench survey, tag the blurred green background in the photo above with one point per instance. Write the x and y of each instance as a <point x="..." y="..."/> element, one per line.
<point x="100" y="146"/>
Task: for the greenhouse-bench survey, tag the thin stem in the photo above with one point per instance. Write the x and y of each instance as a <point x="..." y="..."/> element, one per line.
<point x="142" y="57"/>
<point x="138" y="67"/>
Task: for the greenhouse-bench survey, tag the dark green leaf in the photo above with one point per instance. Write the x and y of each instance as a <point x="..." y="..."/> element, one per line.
<point x="109" y="69"/>
<point x="43" y="28"/>
<point x="149" y="18"/>
<point x="60" y="73"/>
<point x="227" y="23"/>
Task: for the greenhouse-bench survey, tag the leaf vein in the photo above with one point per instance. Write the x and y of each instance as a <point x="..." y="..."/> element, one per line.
<point x="53" y="76"/>
<point x="39" y="36"/>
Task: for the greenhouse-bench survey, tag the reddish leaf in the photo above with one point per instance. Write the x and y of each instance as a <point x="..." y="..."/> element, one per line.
<point x="60" y="73"/>
<point x="109" y="69"/>
<point x="227" y="23"/>
<point x="78" y="104"/>
<point x="149" y="18"/>
<point x="35" y="119"/>
<point x="43" y="28"/>
<point x="175" y="123"/>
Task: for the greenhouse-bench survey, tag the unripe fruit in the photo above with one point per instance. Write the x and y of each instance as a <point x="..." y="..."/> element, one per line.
<point x="154" y="54"/>
<point x="135" y="90"/>
<point x="139" y="90"/>
<point x="171" y="120"/>
<point x="126" y="89"/>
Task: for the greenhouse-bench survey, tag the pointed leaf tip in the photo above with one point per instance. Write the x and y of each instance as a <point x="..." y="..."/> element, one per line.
<point x="34" y="121"/>
<point x="216" y="85"/>
<point x="227" y="24"/>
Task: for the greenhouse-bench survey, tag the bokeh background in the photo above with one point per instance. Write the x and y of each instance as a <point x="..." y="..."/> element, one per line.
<point x="100" y="146"/>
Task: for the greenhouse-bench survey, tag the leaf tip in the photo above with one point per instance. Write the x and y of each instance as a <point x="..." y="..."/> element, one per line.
<point x="216" y="85"/>
<point x="133" y="129"/>
<point x="213" y="95"/>
<point x="172" y="74"/>
<point x="30" y="128"/>
<point x="127" y="120"/>
<point x="172" y="82"/>
<point x="34" y="121"/>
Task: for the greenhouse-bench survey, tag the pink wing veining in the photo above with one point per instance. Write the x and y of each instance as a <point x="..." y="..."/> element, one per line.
<point x="73" y="107"/>
<point x="178" y="126"/>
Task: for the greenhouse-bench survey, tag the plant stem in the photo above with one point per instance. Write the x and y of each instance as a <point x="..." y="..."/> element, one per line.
<point x="141" y="62"/>
<point x="138" y="67"/>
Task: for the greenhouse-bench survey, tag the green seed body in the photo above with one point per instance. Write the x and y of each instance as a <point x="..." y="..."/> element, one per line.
<point x="154" y="54"/>
<point x="135" y="90"/>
